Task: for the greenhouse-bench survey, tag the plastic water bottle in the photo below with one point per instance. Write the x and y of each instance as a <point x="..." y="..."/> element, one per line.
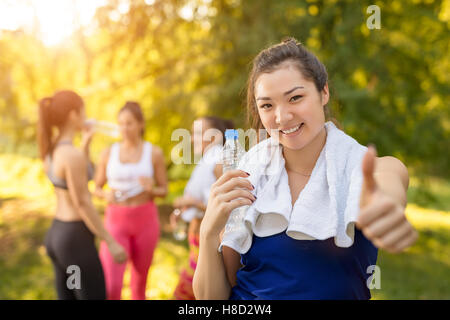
<point x="104" y="127"/>
<point x="232" y="150"/>
<point x="231" y="155"/>
<point x="180" y="231"/>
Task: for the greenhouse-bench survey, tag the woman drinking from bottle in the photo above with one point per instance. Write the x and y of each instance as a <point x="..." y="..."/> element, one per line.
<point x="136" y="173"/>
<point x="207" y="139"/>
<point x="70" y="240"/>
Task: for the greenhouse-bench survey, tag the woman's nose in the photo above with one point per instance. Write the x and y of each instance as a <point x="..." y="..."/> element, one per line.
<point x="282" y="116"/>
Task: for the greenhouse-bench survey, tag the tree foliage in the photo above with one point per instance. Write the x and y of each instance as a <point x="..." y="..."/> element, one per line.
<point x="182" y="59"/>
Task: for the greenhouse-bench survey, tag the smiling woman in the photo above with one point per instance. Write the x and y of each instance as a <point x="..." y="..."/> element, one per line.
<point x="300" y="231"/>
<point x="51" y="21"/>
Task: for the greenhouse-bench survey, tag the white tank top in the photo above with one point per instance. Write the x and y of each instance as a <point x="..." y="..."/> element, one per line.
<point x="201" y="180"/>
<point x="124" y="177"/>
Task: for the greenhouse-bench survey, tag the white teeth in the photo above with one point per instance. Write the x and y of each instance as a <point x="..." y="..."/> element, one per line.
<point x="291" y="130"/>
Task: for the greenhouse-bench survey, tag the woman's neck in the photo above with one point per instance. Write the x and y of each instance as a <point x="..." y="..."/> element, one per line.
<point x="66" y="134"/>
<point x="131" y="143"/>
<point x="302" y="161"/>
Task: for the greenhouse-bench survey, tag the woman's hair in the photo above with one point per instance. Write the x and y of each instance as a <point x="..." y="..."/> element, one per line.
<point x="271" y="58"/>
<point x="136" y="111"/>
<point x="219" y="124"/>
<point x="53" y="112"/>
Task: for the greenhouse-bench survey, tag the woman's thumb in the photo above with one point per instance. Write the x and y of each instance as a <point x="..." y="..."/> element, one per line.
<point x="368" y="169"/>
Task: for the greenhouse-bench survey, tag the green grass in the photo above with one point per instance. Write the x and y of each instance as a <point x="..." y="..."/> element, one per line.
<point x="422" y="271"/>
<point x="430" y="193"/>
<point x="27" y="205"/>
<point x="26" y="271"/>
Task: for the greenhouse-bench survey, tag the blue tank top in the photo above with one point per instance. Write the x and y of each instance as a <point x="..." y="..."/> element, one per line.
<point x="278" y="267"/>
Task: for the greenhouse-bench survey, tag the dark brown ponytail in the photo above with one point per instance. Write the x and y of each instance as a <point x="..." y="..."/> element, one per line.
<point x="53" y="112"/>
<point x="44" y="133"/>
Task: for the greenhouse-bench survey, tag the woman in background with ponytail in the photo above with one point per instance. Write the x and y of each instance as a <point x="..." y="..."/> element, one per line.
<point x="192" y="205"/>
<point x="70" y="240"/>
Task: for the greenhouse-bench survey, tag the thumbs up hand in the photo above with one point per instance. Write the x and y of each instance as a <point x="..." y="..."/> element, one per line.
<point x="369" y="186"/>
<point x="382" y="217"/>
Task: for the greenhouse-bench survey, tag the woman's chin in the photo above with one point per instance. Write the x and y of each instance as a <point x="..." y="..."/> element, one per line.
<point x="293" y="145"/>
<point x="304" y="140"/>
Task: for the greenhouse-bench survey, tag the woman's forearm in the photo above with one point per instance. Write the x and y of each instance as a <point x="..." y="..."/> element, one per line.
<point x="93" y="221"/>
<point x="99" y="193"/>
<point x="210" y="279"/>
<point x="391" y="183"/>
<point x="159" y="192"/>
<point x="87" y="152"/>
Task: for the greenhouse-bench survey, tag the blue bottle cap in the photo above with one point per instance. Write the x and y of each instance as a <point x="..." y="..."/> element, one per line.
<point x="231" y="134"/>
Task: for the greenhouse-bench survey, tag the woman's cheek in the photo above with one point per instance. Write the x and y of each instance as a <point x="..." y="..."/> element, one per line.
<point x="267" y="121"/>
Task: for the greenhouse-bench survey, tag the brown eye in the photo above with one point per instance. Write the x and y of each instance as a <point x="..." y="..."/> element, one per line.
<point x="295" y="98"/>
<point x="265" y="106"/>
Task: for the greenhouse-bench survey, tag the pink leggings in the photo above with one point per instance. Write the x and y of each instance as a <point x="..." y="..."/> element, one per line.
<point x="137" y="230"/>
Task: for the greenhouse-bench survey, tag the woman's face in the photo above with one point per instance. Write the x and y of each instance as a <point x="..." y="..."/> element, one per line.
<point x="78" y="117"/>
<point x="290" y="106"/>
<point x="130" y="128"/>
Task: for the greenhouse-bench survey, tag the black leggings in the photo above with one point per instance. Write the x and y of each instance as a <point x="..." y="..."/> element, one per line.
<point x="72" y="244"/>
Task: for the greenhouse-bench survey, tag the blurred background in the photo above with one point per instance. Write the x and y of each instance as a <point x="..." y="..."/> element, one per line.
<point x="186" y="58"/>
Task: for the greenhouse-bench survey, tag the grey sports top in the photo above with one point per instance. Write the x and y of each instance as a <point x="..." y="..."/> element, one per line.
<point x="59" y="182"/>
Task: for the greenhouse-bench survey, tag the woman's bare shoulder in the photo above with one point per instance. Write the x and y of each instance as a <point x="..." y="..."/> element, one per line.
<point x="70" y="155"/>
<point x="157" y="154"/>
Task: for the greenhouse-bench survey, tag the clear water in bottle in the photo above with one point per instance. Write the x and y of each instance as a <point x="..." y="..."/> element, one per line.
<point x="180" y="231"/>
<point x="104" y="127"/>
<point x="232" y="153"/>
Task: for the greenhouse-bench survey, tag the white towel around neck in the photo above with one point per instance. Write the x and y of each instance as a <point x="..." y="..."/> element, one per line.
<point x="327" y="206"/>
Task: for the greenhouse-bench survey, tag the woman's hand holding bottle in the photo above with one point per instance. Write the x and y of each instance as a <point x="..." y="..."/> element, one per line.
<point x="229" y="192"/>
<point x="147" y="183"/>
<point x="86" y="135"/>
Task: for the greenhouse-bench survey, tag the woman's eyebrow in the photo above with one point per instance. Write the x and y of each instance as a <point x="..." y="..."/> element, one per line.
<point x="293" y="89"/>
<point x="286" y="93"/>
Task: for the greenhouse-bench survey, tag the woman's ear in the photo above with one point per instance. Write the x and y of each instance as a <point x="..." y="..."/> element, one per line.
<point x="325" y="94"/>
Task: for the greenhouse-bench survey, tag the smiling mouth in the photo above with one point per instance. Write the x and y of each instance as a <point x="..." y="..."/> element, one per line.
<point x="293" y="129"/>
